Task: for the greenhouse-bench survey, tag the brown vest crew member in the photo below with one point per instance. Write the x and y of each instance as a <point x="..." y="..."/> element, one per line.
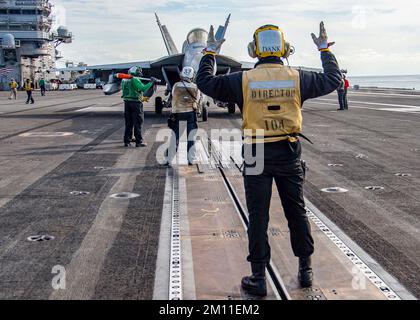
<point x="270" y="98"/>
<point x="185" y="100"/>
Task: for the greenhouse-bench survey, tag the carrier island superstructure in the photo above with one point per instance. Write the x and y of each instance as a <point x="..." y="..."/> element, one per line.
<point x="28" y="41"/>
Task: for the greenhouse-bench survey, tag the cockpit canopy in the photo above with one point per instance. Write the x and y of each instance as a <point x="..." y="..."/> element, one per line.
<point x="197" y="36"/>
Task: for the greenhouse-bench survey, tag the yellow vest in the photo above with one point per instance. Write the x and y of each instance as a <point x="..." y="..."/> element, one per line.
<point x="28" y="86"/>
<point x="272" y="103"/>
<point x="13" y="85"/>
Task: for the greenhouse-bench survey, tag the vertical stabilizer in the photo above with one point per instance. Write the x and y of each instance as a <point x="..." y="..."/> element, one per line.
<point x="221" y="31"/>
<point x="169" y="42"/>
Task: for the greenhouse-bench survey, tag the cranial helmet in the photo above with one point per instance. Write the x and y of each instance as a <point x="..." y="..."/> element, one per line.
<point x="269" y="42"/>
<point x="135" y="71"/>
<point x="187" y="74"/>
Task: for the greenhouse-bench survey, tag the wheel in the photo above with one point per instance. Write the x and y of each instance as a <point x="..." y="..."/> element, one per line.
<point x="158" y="105"/>
<point x="205" y="114"/>
<point x="231" y="108"/>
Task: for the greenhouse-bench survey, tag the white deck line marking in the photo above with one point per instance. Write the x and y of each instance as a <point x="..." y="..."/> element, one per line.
<point x="84" y="109"/>
<point x="403" y="110"/>
<point x="175" y="267"/>
<point x="352" y="93"/>
<point x="374" y="103"/>
<point x="161" y="288"/>
<point x="46" y="134"/>
<point x="327" y="228"/>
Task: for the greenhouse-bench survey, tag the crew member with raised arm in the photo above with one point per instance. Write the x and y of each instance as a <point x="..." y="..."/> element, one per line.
<point x="270" y="97"/>
<point x="132" y="94"/>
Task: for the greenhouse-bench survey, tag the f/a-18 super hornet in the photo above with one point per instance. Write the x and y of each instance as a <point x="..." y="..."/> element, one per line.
<point x="167" y="68"/>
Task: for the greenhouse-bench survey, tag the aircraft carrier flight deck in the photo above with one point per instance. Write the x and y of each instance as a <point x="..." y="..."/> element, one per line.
<point x="120" y="225"/>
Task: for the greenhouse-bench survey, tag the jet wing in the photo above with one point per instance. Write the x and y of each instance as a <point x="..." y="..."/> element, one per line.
<point x="106" y="67"/>
<point x="226" y="64"/>
<point x="150" y="68"/>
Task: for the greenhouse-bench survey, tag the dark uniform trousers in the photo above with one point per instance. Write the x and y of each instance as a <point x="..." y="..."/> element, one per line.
<point x="289" y="179"/>
<point x="346" y="102"/>
<point x="30" y="97"/>
<point x="190" y="118"/>
<point x="342" y="99"/>
<point x="134" y="118"/>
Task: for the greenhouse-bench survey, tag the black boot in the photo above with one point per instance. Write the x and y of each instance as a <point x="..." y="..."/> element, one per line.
<point x="141" y="144"/>
<point x="305" y="275"/>
<point x="255" y="284"/>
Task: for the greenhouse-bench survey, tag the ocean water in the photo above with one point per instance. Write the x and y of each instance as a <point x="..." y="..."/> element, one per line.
<point x="399" y="82"/>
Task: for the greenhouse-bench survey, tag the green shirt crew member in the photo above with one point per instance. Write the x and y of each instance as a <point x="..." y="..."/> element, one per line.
<point x="42" y="86"/>
<point x="132" y="94"/>
<point x="270" y="97"/>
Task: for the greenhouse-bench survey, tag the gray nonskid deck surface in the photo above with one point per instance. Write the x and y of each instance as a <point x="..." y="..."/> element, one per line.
<point x="38" y="174"/>
<point x="86" y="161"/>
<point x="128" y="271"/>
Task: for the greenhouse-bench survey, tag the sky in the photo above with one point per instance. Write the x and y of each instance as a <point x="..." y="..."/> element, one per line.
<point x="375" y="37"/>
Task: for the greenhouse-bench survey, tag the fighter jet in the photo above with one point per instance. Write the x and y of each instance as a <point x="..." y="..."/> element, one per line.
<point x="168" y="68"/>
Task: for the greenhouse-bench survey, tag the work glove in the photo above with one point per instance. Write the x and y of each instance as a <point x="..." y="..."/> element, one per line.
<point x="322" y="42"/>
<point x="154" y="80"/>
<point x="213" y="45"/>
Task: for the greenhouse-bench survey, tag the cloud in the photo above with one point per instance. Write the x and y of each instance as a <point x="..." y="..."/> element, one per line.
<point x="375" y="37"/>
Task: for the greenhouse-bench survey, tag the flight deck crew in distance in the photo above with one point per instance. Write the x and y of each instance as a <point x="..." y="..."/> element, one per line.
<point x="346" y="89"/>
<point x="185" y="101"/>
<point x="42" y="86"/>
<point x="341" y="91"/>
<point x="13" y="89"/>
<point x="132" y="94"/>
<point x="29" y="88"/>
<point x="272" y="93"/>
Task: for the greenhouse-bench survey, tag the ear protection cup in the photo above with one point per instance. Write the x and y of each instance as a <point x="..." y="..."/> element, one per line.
<point x="292" y="50"/>
<point x="252" y="50"/>
<point x="287" y="50"/>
